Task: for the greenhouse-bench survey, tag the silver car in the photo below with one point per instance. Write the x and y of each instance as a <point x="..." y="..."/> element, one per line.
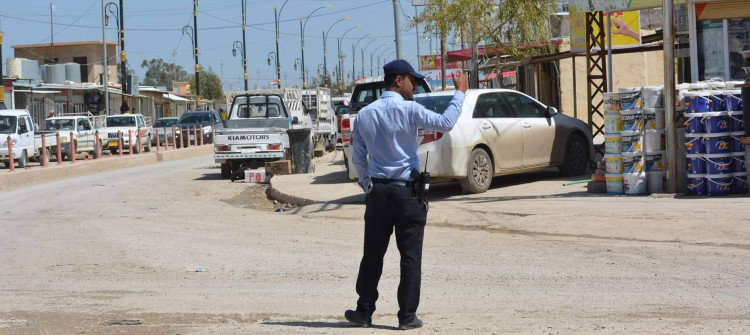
<point x="501" y="132"/>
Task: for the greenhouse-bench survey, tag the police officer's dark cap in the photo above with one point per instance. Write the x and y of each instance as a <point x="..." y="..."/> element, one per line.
<point x="400" y="67"/>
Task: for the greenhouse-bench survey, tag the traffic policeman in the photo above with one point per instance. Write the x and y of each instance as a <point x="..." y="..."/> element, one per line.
<point x="384" y="153"/>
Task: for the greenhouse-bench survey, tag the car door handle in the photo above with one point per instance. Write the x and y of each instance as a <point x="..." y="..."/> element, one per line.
<point x="485" y="126"/>
<point x="526" y="125"/>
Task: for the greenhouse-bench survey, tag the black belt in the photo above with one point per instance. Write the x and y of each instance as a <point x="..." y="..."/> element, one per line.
<point x="407" y="183"/>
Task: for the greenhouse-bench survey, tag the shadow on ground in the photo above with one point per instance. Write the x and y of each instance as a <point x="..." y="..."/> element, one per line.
<point x="321" y="324"/>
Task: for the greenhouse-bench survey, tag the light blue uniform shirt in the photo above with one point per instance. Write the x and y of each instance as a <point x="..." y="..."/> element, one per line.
<point x="386" y="130"/>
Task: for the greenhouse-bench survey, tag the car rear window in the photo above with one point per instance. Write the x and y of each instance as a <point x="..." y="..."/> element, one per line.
<point x="165" y="123"/>
<point x="437" y="104"/>
<point x="121" y="121"/>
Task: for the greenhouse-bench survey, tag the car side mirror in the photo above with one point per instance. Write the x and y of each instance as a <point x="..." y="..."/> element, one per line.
<point x="551" y="111"/>
<point x="295" y="120"/>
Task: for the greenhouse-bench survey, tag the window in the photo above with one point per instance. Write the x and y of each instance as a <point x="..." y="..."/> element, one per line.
<point x="86" y="124"/>
<point x="524" y="106"/>
<point x="437" y="104"/>
<point x="492" y="105"/>
<point x="22" y="125"/>
<point x="257" y="107"/>
<point x="7" y="124"/>
<point x="141" y="124"/>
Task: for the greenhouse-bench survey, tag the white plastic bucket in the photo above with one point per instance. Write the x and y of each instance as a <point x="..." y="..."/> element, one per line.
<point x="653" y="118"/>
<point x="653" y="140"/>
<point x="613" y="163"/>
<point x="612" y="123"/>
<point x="653" y="97"/>
<point x="630" y="98"/>
<point x="656" y="181"/>
<point x="612" y="143"/>
<point x="634" y="183"/>
<point x="614" y="183"/>
<point x="611" y="102"/>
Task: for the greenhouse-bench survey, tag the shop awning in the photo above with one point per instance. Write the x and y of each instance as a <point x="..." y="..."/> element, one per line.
<point x="173" y="97"/>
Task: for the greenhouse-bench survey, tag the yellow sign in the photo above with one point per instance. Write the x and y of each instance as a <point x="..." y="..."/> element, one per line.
<point x="616" y="5"/>
<point x="625" y="26"/>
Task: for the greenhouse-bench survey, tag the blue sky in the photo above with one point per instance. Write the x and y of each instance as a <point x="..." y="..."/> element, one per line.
<point x="153" y="29"/>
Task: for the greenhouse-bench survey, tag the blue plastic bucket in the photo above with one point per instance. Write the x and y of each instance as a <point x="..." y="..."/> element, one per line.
<point x="719" y="184"/>
<point x="718" y="104"/>
<point x="701" y="102"/>
<point x="631" y="120"/>
<point x="736" y="123"/>
<point x="694" y="123"/>
<point x="696" y="164"/>
<point x="733" y="99"/>
<point x="738" y="162"/>
<point x="694" y="143"/>
<point x="716" y="122"/>
<point x="718" y="164"/>
<point x="632" y="163"/>
<point x="736" y="143"/>
<point x="696" y="184"/>
<point x="717" y="143"/>
<point x="739" y="184"/>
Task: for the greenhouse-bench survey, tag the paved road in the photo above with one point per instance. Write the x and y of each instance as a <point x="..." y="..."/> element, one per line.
<point x="80" y="254"/>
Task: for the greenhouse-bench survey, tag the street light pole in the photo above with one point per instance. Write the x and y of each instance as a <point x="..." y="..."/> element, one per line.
<point x="188" y="30"/>
<point x="372" y="53"/>
<point x="105" y="68"/>
<point x="197" y="65"/>
<point x="363" y="54"/>
<point x="241" y="46"/>
<point x="302" y="39"/>
<point x="341" y="55"/>
<point x="381" y="56"/>
<point x="276" y="15"/>
<point x="354" y="55"/>
<point x="244" y="50"/>
<point x="325" y="49"/>
<point x="397" y="27"/>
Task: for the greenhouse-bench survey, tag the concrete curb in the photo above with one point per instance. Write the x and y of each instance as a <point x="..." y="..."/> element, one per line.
<point x="276" y="194"/>
<point x="81" y="168"/>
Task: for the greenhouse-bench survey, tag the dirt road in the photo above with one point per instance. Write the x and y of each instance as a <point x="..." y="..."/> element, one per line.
<point x="117" y="253"/>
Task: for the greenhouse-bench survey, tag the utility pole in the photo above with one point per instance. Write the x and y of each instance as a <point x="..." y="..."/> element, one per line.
<point x="123" y="59"/>
<point x="52" y="32"/>
<point x="397" y="25"/>
<point x="244" y="47"/>
<point x="197" y="66"/>
<point x="105" y="68"/>
<point x="419" y="60"/>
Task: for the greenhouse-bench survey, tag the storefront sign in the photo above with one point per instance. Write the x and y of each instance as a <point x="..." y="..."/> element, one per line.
<point x="432" y="62"/>
<point x="626" y="29"/>
<point x="616" y="5"/>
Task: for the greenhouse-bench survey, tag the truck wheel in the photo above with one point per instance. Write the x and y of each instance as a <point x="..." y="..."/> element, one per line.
<point x="23" y="160"/>
<point x="7" y="164"/>
<point x="330" y="144"/>
<point x="43" y="158"/>
<point x="148" y="145"/>
<point x="226" y="171"/>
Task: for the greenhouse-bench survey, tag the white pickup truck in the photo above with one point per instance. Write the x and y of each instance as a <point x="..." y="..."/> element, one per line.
<point x="323" y="117"/>
<point x="258" y="128"/>
<point x="136" y="123"/>
<point x="27" y="143"/>
<point x="84" y="134"/>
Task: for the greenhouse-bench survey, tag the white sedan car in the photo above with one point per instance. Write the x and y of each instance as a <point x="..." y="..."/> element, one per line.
<point x="501" y="132"/>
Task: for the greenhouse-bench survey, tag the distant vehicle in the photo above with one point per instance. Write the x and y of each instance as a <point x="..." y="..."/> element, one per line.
<point x="26" y="141"/>
<point x="84" y="136"/>
<point x="340" y="107"/>
<point x="202" y="121"/>
<point x="318" y="104"/>
<point x="164" y="124"/>
<point x="135" y="123"/>
<point x="502" y="132"/>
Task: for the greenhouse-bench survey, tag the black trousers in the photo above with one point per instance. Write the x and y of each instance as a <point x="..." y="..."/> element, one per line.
<point x="392" y="206"/>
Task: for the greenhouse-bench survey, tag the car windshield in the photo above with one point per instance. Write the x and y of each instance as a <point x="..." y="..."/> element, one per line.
<point x="257" y="107"/>
<point x="61" y="124"/>
<point x="435" y="103"/>
<point x="121" y="121"/>
<point x="165" y="123"/>
<point x="196" y="118"/>
<point x="7" y="124"/>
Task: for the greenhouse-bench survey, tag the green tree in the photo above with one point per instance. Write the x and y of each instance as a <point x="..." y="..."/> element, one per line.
<point x="162" y="73"/>
<point x="211" y="87"/>
<point x="503" y="24"/>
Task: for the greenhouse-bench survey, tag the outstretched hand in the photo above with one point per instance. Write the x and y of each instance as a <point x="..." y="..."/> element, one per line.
<point x="460" y="81"/>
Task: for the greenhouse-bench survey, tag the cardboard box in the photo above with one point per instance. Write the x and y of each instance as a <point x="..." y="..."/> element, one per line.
<point x="279" y="167"/>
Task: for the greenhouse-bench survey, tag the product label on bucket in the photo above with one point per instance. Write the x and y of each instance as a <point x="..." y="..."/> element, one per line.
<point x="630" y="101"/>
<point x="632" y="122"/>
<point x="654" y="162"/>
<point x="632" y="164"/>
<point x="631" y="143"/>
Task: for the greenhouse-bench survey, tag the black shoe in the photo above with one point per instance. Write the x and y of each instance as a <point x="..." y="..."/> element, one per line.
<point x="358" y="319"/>
<point x="415" y="323"/>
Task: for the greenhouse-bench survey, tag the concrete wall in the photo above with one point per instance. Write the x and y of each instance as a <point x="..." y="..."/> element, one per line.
<point x="629" y="70"/>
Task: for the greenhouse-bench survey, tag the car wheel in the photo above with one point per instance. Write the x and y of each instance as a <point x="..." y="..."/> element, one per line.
<point x="7" y="164"/>
<point x="23" y="160"/>
<point x="226" y="171"/>
<point x="148" y="145"/>
<point x="576" y="157"/>
<point x="480" y="172"/>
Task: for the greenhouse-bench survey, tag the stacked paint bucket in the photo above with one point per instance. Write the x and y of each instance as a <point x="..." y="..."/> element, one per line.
<point x="715" y="156"/>
<point x="613" y="143"/>
<point x="654" y="135"/>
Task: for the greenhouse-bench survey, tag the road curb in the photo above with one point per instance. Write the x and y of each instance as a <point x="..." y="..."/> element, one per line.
<point x="276" y="193"/>
<point x="38" y="175"/>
